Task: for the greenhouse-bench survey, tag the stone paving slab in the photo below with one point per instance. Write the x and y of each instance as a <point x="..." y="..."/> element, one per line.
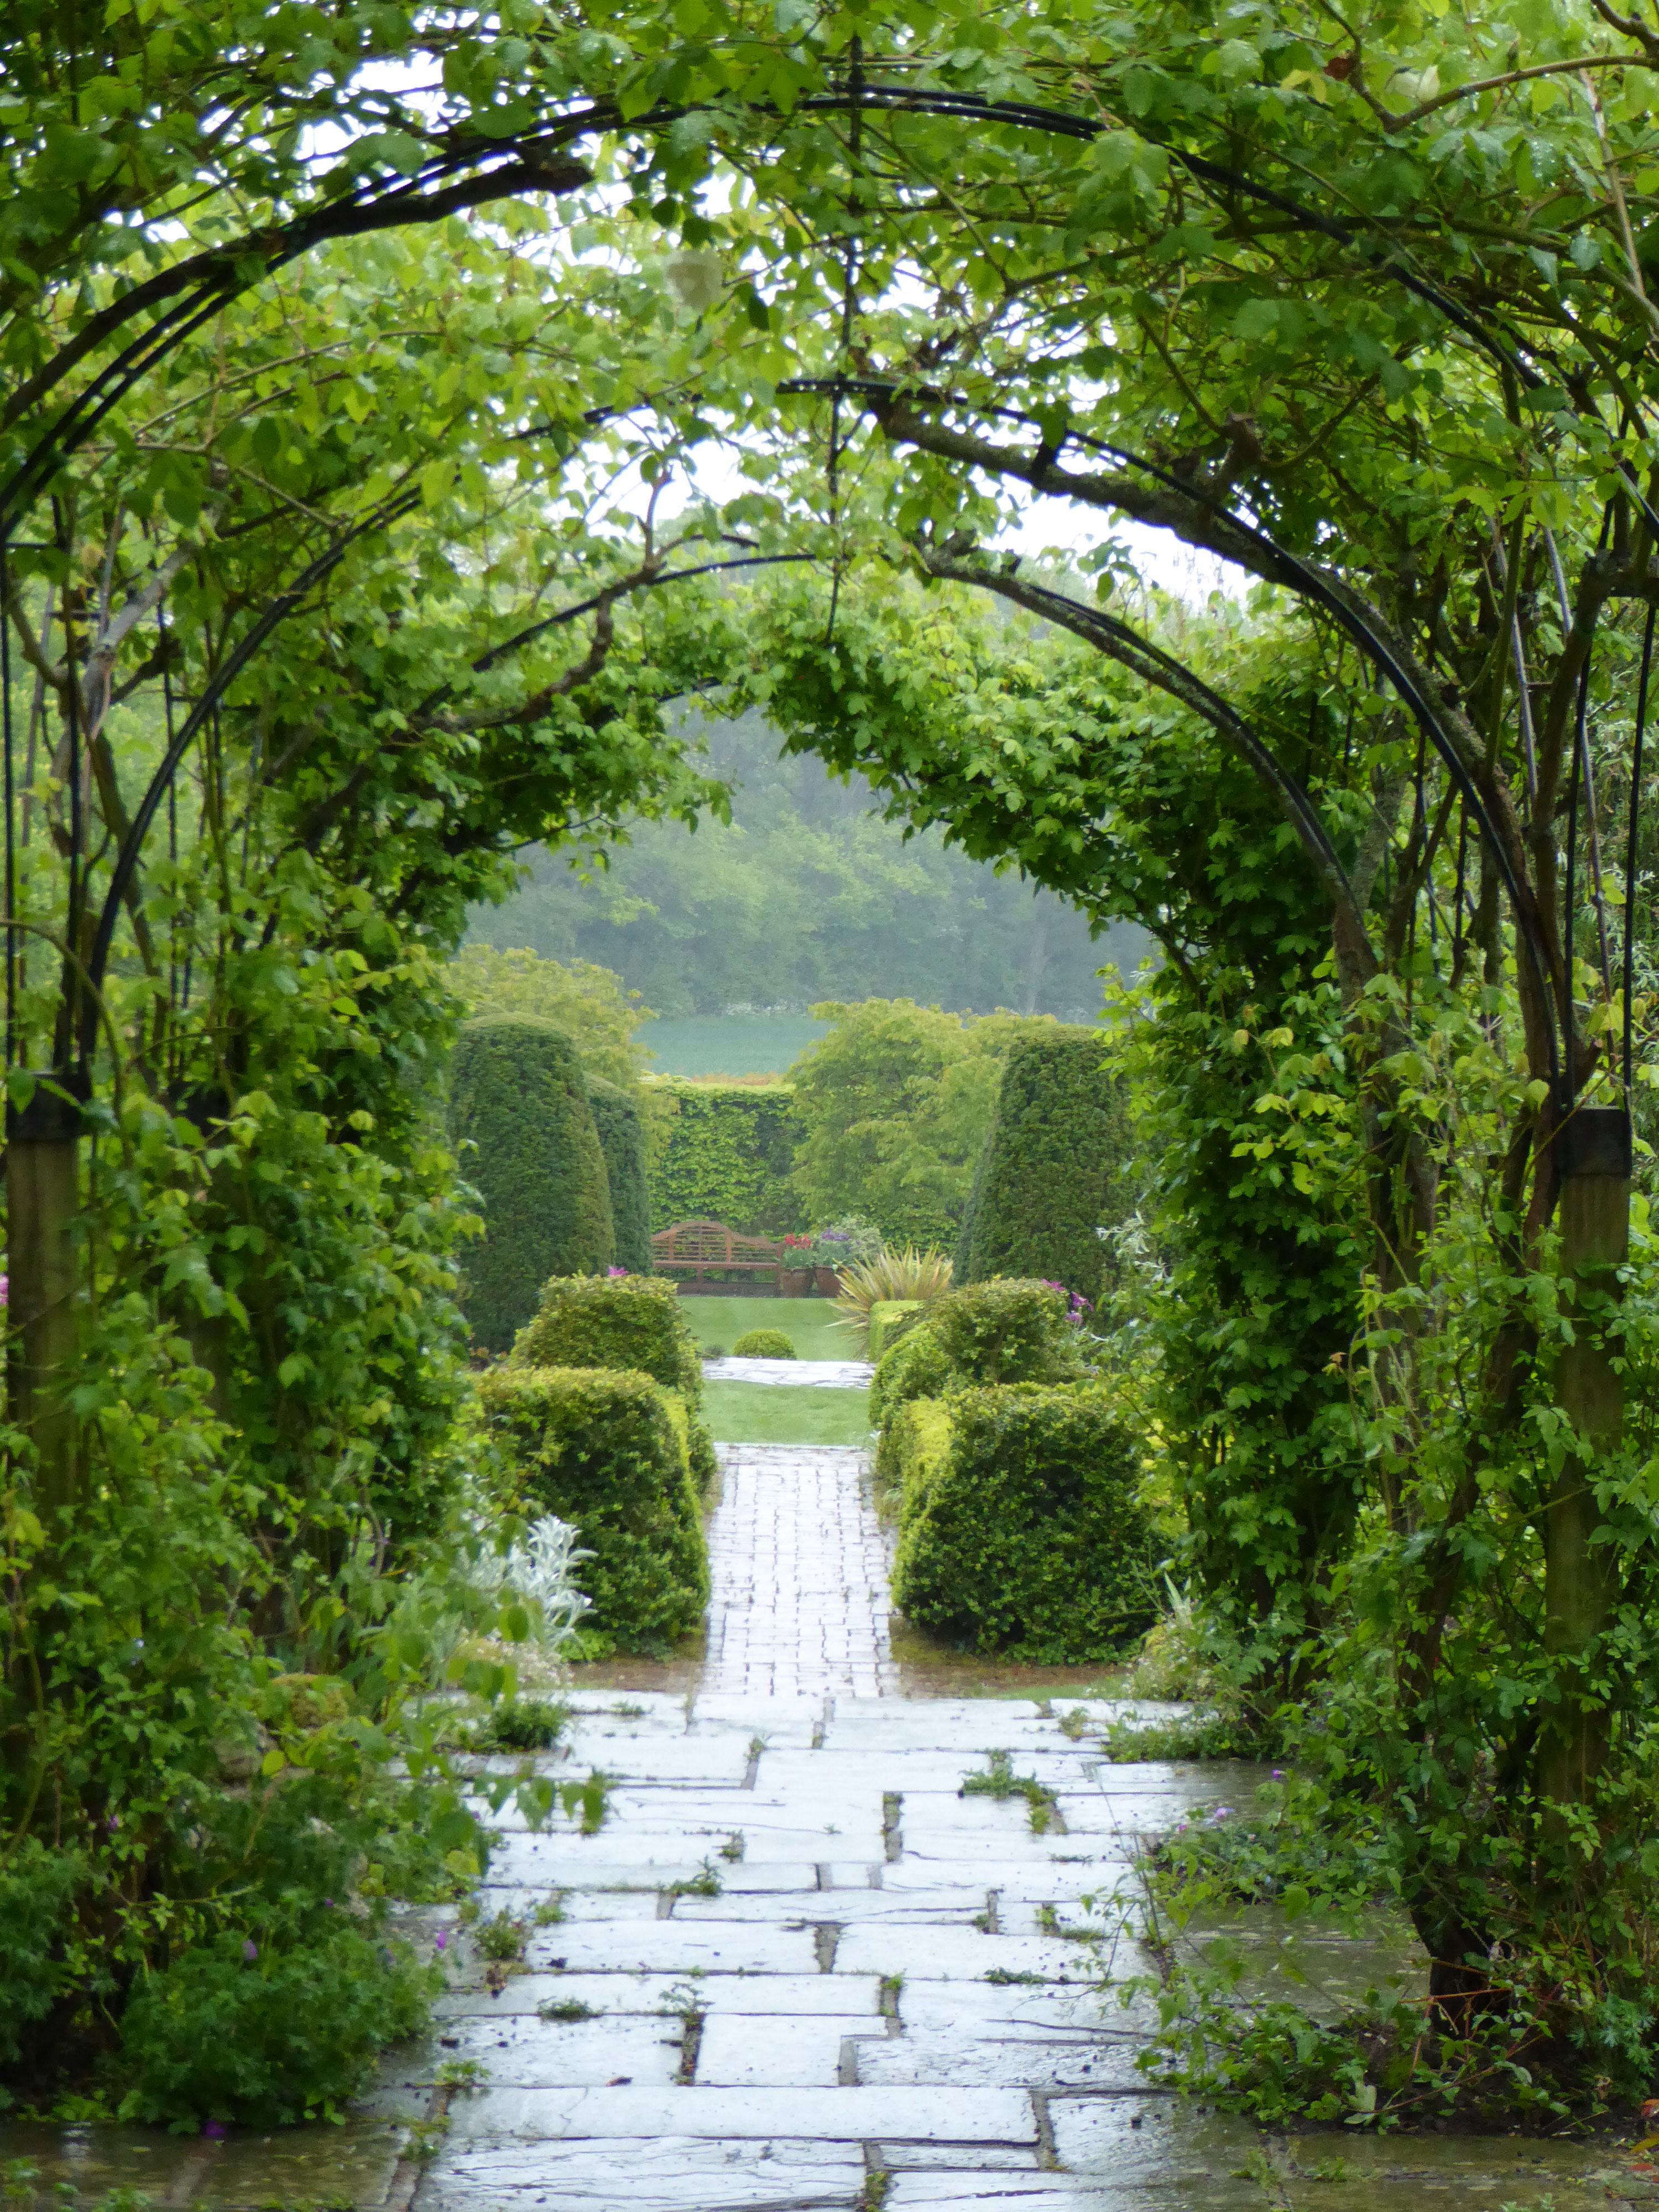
<point x="956" y="1954"/>
<point x="815" y="1374"/>
<point x="666" y="1947"/>
<point x="787" y="2054"/>
<point x="527" y="2052"/>
<point x="841" y="2115"/>
<point x="1029" y="2061"/>
<point x="785" y="1996"/>
<point x="648" y="2174"/>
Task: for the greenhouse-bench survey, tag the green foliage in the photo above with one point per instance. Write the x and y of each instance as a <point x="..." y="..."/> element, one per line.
<point x="1024" y="1535"/>
<point x="1005" y="1331"/>
<point x="893" y="1106"/>
<point x="620" y="1131"/>
<point x="764" y="1344"/>
<point x="37" y="1892"/>
<point x="517" y="1098"/>
<point x="266" y="2037"/>
<point x="723" y="1152"/>
<point x="1058" y="1166"/>
<point x="591" y="1006"/>
<point x="914" y="1367"/>
<point x="602" y="1450"/>
<point x="890" y="1320"/>
<point x="521" y="1724"/>
<point x="613" y="1321"/>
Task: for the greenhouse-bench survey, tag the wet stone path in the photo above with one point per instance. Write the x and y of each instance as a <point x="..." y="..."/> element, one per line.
<point x="798" y="1968"/>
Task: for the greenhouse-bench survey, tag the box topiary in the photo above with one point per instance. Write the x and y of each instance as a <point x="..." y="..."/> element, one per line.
<point x="1006" y="1331"/>
<point x="1024" y="1535"/>
<point x="764" y="1343"/>
<point x="1055" y="1167"/>
<point x="622" y="1139"/>
<point x="603" y="1449"/>
<point x="915" y="1368"/>
<point x="517" y="1096"/>
<point x="614" y="1321"/>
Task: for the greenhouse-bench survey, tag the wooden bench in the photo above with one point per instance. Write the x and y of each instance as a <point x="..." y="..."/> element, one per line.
<point x="701" y="1248"/>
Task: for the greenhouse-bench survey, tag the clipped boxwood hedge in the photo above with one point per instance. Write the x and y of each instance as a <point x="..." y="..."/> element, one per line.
<point x="622" y="1139"/>
<point x="1024" y="1535"/>
<point x="1054" y="1167"/>
<point x="911" y="1448"/>
<point x="517" y="1096"/>
<point x="603" y="1449"/>
<point x="624" y="1322"/>
<point x="916" y="1367"/>
<point x="614" y="1321"/>
<point x="1006" y="1331"/>
<point x="723" y="1153"/>
<point x="889" y="1320"/>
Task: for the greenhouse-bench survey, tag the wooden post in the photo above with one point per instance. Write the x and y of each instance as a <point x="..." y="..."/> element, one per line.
<point x="43" y="1198"/>
<point x="1580" y="1575"/>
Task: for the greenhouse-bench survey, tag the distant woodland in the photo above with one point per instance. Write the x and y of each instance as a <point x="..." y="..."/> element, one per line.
<point x="808" y="894"/>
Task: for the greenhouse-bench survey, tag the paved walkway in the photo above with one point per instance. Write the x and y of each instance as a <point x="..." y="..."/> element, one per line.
<point x="815" y="1374"/>
<point x="798" y="1969"/>
<point x="798" y="1567"/>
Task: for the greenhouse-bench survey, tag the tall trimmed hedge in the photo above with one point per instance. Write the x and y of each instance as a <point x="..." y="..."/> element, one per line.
<point x="622" y="1139"/>
<point x="1055" y="1168"/>
<point x="723" y="1153"/>
<point x="606" y="1451"/>
<point x="516" y="1093"/>
<point x="1021" y="1530"/>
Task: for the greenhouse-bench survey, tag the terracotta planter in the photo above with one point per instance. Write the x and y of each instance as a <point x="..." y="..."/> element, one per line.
<point x="828" y="1282"/>
<point x="794" y="1282"/>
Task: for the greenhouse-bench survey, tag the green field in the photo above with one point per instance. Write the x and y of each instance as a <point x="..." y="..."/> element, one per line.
<point x="717" y="1324"/>
<point x="769" y="1413"/>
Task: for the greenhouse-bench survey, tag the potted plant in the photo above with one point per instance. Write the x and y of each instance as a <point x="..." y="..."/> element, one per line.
<point x="845" y="1243"/>
<point x="795" y="1276"/>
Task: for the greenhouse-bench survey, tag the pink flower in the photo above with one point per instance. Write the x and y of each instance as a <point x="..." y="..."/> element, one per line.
<point x="5" y="1290"/>
<point x="614" y="1272"/>
<point x="249" y="1951"/>
<point x="440" y="1942"/>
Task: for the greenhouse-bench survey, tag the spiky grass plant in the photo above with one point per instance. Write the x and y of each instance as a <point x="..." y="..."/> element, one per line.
<point x="891" y="1274"/>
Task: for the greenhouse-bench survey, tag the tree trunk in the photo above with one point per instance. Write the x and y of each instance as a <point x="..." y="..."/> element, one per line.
<point x="1580" y="1574"/>
<point x="43" y="1200"/>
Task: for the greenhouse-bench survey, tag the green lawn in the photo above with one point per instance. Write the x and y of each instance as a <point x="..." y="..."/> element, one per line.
<point x="769" y="1413"/>
<point x="805" y="1321"/>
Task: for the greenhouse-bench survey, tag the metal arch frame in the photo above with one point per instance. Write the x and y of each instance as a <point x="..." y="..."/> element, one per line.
<point x="373" y="205"/>
<point x="216" y="690"/>
<point x="1309" y="584"/>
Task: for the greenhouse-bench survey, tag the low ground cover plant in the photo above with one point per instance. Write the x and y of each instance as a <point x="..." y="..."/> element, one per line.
<point x="764" y="1343"/>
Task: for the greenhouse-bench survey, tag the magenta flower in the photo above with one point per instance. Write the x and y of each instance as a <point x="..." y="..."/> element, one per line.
<point x="440" y="1942"/>
<point x="614" y="1272"/>
<point x="5" y="1290"/>
<point x="249" y="1951"/>
<point x="215" y="2131"/>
